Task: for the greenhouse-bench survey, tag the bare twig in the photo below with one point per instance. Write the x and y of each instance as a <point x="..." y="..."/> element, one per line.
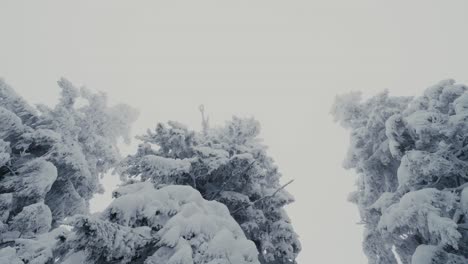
<point x="457" y="216"/>
<point x="435" y="183"/>
<point x="263" y="198"/>
<point x="194" y="180"/>
<point x="11" y="170"/>
<point x="459" y="188"/>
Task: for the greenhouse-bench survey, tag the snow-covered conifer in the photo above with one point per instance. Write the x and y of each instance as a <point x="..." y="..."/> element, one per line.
<point x="227" y="164"/>
<point x="172" y="225"/>
<point x="50" y="163"/>
<point x="411" y="157"/>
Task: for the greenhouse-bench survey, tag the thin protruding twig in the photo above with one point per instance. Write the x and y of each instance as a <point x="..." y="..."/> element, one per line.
<point x="263" y="198"/>
<point x="459" y="188"/>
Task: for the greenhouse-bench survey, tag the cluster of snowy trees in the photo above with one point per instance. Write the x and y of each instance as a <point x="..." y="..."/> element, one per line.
<point x="187" y="197"/>
<point x="411" y="157"/>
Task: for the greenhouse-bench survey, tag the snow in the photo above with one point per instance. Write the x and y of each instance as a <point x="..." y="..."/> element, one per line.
<point x="410" y="156"/>
<point x="39" y="250"/>
<point x="461" y="104"/>
<point x="75" y="258"/>
<point x="425" y="212"/>
<point x="160" y="167"/>
<point x="4" y="152"/>
<point x="224" y="244"/>
<point x="228" y="164"/>
<point x="33" y="220"/>
<point x="189" y="229"/>
<point x="464" y="201"/>
<point x="37" y="177"/>
<point x="8" y="256"/>
<point x="6" y="201"/>
<point x="106" y="240"/>
<point x="384" y="201"/>
<point x="139" y="201"/>
<point x="421" y="121"/>
<point x="206" y="222"/>
<point x="9" y="123"/>
<point x="419" y="167"/>
<point x="14" y="103"/>
<point x="395" y="129"/>
<point x="213" y="158"/>
<point x="427" y="254"/>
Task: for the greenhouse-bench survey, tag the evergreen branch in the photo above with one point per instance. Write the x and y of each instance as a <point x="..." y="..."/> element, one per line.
<point x="230" y="178"/>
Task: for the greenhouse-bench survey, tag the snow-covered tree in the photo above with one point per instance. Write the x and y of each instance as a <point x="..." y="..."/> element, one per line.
<point x="411" y="157"/>
<point x="171" y="225"/>
<point x="50" y="163"/>
<point x="229" y="165"/>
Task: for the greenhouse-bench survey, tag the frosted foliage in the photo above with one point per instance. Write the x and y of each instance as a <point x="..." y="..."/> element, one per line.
<point x="14" y="103"/>
<point x="6" y="203"/>
<point x="163" y="168"/>
<point x="57" y="154"/>
<point x="34" y="219"/>
<point x="8" y="255"/>
<point x="428" y="254"/>
<point x="50" y="163"/>
<point x="104" y="240"/>
<point x="228" y="164"/>
<point x="43" y="248"/>
<point x="173" y="224"/>
<point x="10" y="124"/>
<point x="76" y="257"/>
<point x="464" y="201"/>
<point x="4" y="153"/>
<point x="38" y="250"/>
<point x="411" y="157"/>
<point x="88" y="145"/>
<point x="36" y="179"/>
<point x="423" y="211"/>
<point x="421" y="167"/>
<point x="346" y="109"/>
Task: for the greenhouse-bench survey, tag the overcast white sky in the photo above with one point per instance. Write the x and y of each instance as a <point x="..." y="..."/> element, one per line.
<point x="280" y="61"/>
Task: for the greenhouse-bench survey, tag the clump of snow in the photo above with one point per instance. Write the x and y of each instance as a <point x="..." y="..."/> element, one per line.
<point x="228" y="164"/>
<point x="6" y="203"/>
<point x="4" y="152"/>
<point x="213" y="158"/>
<point x="175" y="221"/>
<point x="102" y="239"/>
<point x="10" y="123"/>
<point x="37" y="177"/>
<point x="430" y="254"/>
<point x="464" y="201"/>
<point x="75" y="258"/>
<point x="420" y="168"/>
<point x="39" y="250"/>
<point x="160" y="167"/>
<point x="8" y="256"/>
<point x="384" y="201"/>
<point x="33" y="220"/>
<point x="425" y="212"/>
<point x="395" y="130"/>
<point x="461" y="104"/>
<point x="224" y="244"/>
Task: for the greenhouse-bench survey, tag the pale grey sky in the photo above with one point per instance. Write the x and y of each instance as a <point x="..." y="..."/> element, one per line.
<point x="280" y="61"/>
